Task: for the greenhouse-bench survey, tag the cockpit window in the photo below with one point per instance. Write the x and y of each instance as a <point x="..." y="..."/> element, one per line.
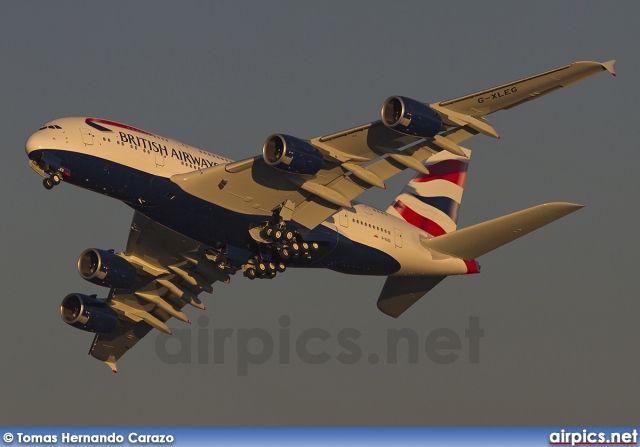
<point x="54" y="126"/>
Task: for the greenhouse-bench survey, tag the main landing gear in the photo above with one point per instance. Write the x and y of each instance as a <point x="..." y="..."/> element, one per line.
<point x="287" y="244"/>
<point x="257" y="267"/>
<point x="283" y="243"/>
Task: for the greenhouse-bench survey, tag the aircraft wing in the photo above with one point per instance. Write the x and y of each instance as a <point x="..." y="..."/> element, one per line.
<point x="172" y="270"/>
<point x="251" y="186"/>
<point x="515" y="93"/>
<point x="356" y="159"/>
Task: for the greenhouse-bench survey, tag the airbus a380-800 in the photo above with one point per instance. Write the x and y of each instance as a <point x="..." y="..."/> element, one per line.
<point x="200" y="217"/>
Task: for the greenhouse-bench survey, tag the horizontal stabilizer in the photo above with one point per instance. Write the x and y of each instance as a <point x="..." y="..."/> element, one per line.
<point x="471" y="242"/>
<point x="401" y="292"/>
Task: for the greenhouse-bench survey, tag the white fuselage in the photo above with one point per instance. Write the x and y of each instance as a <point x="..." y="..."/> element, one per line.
<point x="163" y="157"/>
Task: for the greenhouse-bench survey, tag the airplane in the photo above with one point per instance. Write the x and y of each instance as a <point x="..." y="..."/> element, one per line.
<point x="200" y="217"/>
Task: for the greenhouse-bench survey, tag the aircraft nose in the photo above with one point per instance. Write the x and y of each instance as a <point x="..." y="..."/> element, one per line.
<point x="34" y="143"/>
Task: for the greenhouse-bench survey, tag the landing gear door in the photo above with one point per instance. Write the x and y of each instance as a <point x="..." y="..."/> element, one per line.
<point x="87" y="136"/>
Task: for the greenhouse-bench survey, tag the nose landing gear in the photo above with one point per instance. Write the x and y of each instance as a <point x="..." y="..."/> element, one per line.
<point x="50" y="167"/>
<point x="51" y="181"/>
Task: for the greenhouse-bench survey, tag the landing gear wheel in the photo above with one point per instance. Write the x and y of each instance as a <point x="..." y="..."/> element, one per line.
<point x="284" y="253"/>
<point x="250" y="273"/>
<point x="280" y="267"/>
<point x="266" y="232"/>
<point x="277" y="235"/>
<point x="315" y="246"/>
<point x="288" y="235"/>
<point x="55" y="179"/>
<point x="48" y="184"/>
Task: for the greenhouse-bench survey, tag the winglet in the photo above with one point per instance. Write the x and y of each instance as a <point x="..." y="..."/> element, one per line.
<point x="111" y="363"/>
<point x="609" y="66"/>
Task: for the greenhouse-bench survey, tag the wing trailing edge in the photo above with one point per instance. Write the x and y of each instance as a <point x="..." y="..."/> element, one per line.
<point x="476" y="240"/>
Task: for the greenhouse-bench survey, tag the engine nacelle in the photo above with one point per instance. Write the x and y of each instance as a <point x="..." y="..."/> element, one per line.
<point x="106" y="269"/>
<point x="88" y="313"/>
<point x="410" y="117"/>
<point x="291" y="154"/>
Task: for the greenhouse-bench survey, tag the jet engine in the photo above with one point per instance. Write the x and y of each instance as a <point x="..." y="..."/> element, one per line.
<point x="410" y="117"/>
<point x="106" y="268"/>
<point x="291" y="154"/>
<point x="88" y="313"/>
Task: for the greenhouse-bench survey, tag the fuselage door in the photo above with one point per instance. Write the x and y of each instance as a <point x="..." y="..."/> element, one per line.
<point x="397" y="236"/>
<point x="159" y="159"/>
<point x="87" y="136"/>
<point x="344" y="218"/>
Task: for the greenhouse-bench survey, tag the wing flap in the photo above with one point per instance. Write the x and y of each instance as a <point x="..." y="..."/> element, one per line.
<point x="361" y="143"/>
<point x="110" y="347"/>
<point x="312" y="212"/>
<point x="476" y="240"/>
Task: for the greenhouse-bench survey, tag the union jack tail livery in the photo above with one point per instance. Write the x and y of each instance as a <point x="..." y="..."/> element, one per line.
<point x="431" y="202"/>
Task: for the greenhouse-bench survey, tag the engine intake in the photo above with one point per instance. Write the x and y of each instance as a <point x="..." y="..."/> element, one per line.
<point x="88" y="313"/>
<point x="291" y="154"/>
<point x="106" y="269"/>
<point x="410" y="117"/>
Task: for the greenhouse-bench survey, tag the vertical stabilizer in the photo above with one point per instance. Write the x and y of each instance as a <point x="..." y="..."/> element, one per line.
<point x="431" y="201"/>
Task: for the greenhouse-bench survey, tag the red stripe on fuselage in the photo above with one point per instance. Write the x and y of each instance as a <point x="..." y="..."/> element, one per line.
<point x="120" y="125"/>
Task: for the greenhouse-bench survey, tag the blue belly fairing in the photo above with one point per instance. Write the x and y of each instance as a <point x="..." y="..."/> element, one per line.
<point x="166" y="203"/>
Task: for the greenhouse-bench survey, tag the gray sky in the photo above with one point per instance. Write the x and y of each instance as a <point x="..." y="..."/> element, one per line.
<point x="559" y="308"/>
